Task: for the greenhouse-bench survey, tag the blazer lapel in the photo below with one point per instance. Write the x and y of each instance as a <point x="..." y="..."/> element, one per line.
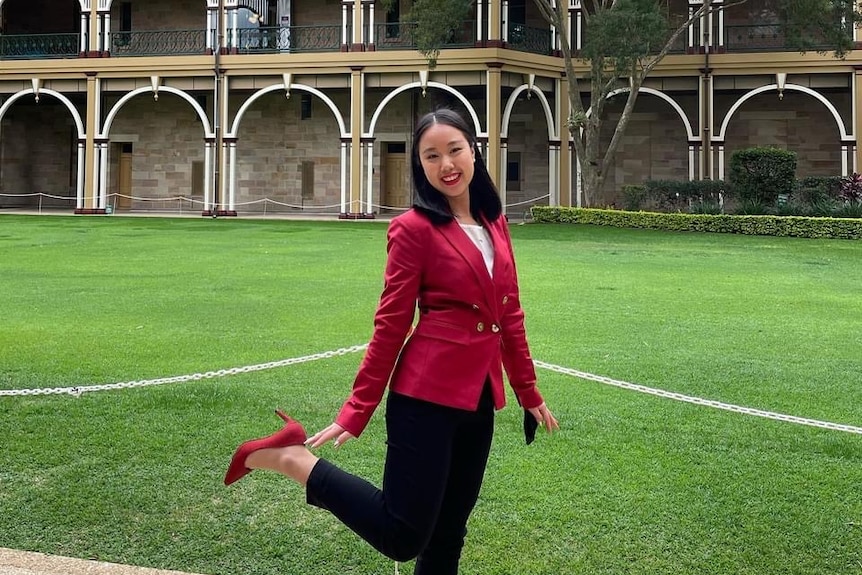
<point x="471" y="254"/>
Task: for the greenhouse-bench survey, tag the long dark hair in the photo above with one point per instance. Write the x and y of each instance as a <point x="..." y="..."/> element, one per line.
<point x="484" y="200"/>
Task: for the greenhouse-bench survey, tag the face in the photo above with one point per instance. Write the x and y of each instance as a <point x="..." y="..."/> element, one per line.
<point x="447" y="159"/>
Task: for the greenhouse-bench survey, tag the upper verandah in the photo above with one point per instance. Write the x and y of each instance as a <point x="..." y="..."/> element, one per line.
<point x="40" y="29"/>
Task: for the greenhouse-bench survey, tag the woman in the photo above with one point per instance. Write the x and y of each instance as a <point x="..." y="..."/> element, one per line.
<point x="452" y="256"/>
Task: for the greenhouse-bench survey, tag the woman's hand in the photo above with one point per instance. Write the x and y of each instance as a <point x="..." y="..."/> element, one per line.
<point x="545" y="418"/>
<point x="334" y="431"/>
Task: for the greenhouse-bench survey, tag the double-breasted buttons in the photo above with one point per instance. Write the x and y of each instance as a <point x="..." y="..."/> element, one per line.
<point x="475" y="307"/>
<point x="495" y="328"/>
<point x="505" y="299"/>
<point x="480" y="326"/>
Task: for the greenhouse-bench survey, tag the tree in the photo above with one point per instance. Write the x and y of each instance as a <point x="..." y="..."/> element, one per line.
<point x="624" y="41"/>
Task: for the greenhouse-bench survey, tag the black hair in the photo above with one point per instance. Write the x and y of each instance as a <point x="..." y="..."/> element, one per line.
<point x="484" y="199"/>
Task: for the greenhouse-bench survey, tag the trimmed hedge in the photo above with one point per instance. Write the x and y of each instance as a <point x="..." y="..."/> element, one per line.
<point x="795" y="226"/>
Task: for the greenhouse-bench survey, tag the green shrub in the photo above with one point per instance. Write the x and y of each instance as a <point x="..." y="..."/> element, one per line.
<point x="760" y="175"/>
<point x="685" y="195"/>
<point x="634" y="197"/>
<point x="813" y="189"/>
<point x="796" y="226"/>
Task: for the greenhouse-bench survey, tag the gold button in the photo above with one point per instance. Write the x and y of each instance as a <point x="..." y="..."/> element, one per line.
<point x="505" y="299"/>
<point x="475" y="307"/>
<point x="495" y="328"/>
<point x="480" y="326"/>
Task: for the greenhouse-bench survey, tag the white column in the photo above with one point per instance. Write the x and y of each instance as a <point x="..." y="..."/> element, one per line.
<point x="371" y="35"/>
<point x="720" y="161"/>
<point x="103" y="175"/>
<point x="345" y="155"/>
<point x="232" y="177"/>
<point x="208" y="150"/>
<point x="84" y="28"/>
<point x="504" y="162"/>
<point x="505" y="14"/>
<point x="223" y="167"/>
<point x="553" y="174"/>
<point x="234" y="19"/>
<point x="107" y="37"/>
<point x="79" y="194"/>
<point x="369" y="172"/>
<point x="345" y="20"/>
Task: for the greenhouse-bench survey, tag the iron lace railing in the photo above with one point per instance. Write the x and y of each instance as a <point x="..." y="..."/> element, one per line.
<point x="402" y="36"/>
<point x="158" y="42"/>
<point x="288" y="39"/>
<point x="527" y="39"/>
<point x="38" y="46"/>
<point x="767" y="37"/>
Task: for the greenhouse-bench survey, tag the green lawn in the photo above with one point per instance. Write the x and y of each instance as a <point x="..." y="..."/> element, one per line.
<point x="633" y="484"/>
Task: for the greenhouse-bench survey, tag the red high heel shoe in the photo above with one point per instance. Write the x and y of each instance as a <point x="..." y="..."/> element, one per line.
<point x="291" y="434"/>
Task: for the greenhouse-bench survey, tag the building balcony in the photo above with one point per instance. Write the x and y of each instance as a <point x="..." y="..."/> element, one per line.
<point x="287" y="39"/>
<point x="158" y="42"/>
<point x="761" y="37"/>
<point x="38" y="46"/>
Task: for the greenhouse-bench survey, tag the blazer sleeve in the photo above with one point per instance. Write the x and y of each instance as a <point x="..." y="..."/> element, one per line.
<point x="392" y="323"/>
<point x="516" y="351"/>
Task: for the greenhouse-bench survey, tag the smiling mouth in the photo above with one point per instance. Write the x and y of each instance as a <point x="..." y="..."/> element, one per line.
<point x="451" y="179"/>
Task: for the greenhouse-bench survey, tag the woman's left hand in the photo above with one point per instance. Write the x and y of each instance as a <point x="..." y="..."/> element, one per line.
<point x="545" y="418"/>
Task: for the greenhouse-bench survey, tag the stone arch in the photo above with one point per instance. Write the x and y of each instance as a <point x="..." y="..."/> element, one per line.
<point x="652" y="91"/>
<point x="845" y="137"/>
<point x="302" y="87"/>
<point x="507" y="114"/>
<point x="410" y="86"/>
<point x="79" y="124"/>
<point x="106" y="128"/>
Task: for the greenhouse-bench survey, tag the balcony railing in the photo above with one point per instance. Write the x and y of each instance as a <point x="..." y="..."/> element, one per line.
<point x="158" y="42"/>
<point x="36" y="46"/>
<point x="288" y="39"/>
<point x="527" y="39"/>
<point x="402" y="36"/>
<point x="767" y="37"/>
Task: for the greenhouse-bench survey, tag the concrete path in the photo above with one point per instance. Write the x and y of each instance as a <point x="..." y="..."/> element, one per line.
<point x="14" y="562"/>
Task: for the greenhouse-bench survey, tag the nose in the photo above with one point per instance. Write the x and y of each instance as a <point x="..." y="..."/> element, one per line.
<point x="447" y="161"/>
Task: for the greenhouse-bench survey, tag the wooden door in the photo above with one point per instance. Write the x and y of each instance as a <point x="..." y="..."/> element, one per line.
<point x="124" y="185"/>
<point x="396" y="183"/>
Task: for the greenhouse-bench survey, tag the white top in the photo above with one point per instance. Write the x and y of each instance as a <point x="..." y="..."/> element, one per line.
<point x="482" y="239"/>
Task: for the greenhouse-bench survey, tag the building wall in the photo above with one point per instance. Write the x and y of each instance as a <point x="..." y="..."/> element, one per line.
<point x="164" y="15"/>
<point x="167" y="137"/>
<point x="654" y="146"/>
<point x="37" y="147"/>
<point x="797" y="122"/>
<point x="319" y="13"/>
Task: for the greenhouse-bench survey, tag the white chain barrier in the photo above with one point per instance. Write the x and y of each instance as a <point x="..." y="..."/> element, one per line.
<point x="699" y="401"/>
<point x="78" y="390"/>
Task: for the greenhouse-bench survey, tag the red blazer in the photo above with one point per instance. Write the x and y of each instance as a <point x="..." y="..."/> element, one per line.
<point x="469" y="325"/>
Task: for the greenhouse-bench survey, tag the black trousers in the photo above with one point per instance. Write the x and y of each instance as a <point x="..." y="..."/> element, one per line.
<point x="435" y="462"/>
